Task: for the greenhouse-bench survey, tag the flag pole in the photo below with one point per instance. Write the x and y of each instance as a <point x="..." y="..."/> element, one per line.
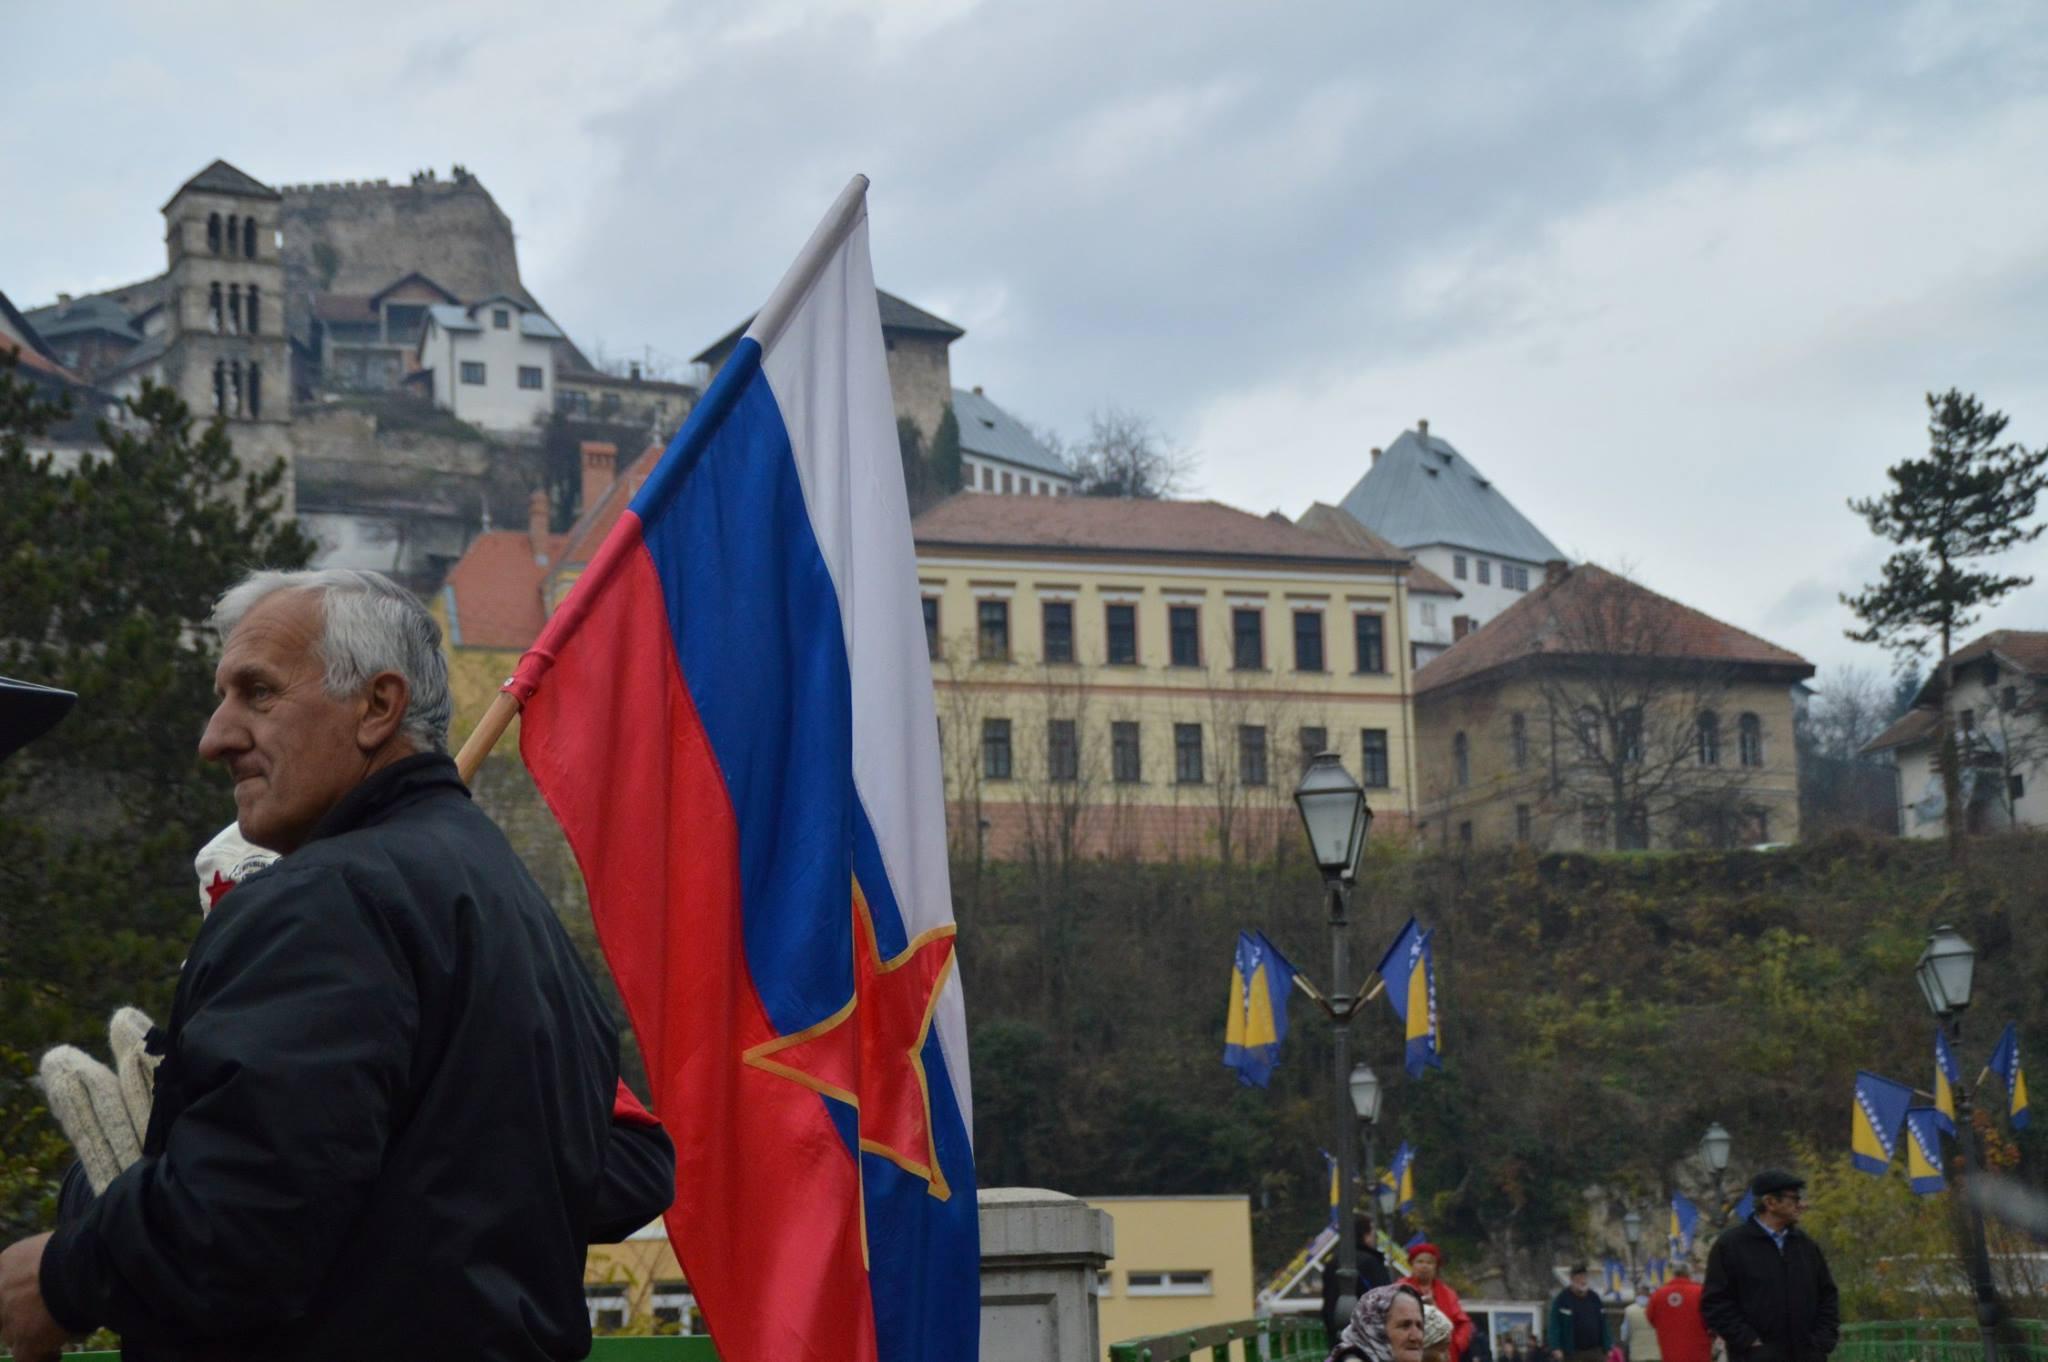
<point x="485" y="735"/>
<point x="795" y="286"/>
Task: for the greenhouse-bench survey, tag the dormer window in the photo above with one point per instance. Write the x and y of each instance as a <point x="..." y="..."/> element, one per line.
<point x="501" y="318"/>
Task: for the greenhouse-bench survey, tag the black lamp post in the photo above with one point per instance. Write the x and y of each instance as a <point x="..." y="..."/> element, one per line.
<point x="1632" y="1230"/>
<point x="1946" y="971"/>
<point x="1715" y="1147"/>
<point x="1334" y="813"/>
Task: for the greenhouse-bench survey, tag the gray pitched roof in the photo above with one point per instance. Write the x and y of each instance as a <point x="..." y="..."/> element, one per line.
<point x="532" y="322"/>
<point x="992" y="433"/>
<point x="1422" y="491"/>
<point x="222" y="178"/>
<point x="81" y="315"/>
<point x="897" y="315"/>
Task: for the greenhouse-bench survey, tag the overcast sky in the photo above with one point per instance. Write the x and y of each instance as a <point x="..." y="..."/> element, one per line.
<point x="1675" y="276"/>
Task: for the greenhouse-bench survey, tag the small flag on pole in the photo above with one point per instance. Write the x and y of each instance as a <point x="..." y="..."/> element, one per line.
<point x="1946" y="1075"/>
<point x="1745" y="1208"/>
<point x="1685" y="1222"/>
<point x="1880" y="1109"/>
<point x="2005" y="1062"/>
<point x="1409" y="972"/>
<point x="1260" y="983"/>
<point x="1336" y="1196"/>
<point x="1923" y="1150"/>
<point x="1400" y="1176"/>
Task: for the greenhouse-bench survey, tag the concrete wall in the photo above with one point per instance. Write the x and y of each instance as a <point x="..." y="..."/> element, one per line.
<point x="1480" y="601"/>
<point x="921" y="378"/>
<point x="1484" y="712"/>
<point x="1181" y="1235"/>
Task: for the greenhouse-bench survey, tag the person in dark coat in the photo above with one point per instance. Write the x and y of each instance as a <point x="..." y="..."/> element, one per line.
<point x="1372" y="1272"/>
<point x="1578" y="1322"/>
<point x="1769" y="1294"/>
<point x="388" y="1117"/>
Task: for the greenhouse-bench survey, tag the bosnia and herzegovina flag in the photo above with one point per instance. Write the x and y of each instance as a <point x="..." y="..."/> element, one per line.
<point x="1947" y="1073"/>
<point x="768" y="876"/>
<point x="1400" y="1176"/>
<point x="1744" y="1209"/>
<point x="1409" y="972"/>
<point x="1880" y="1109"/>
<point x="1336" y="1192"/>
<point x="1923" y="1150"/>
<point x="1261" y="981"/>
<point x="1685" y="1223"/>
<point x="2005" y="1062"/>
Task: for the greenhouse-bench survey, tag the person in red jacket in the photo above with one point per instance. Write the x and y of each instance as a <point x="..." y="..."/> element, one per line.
<point x="1423" y="1262"/>
<point x="1674" y="1312"/>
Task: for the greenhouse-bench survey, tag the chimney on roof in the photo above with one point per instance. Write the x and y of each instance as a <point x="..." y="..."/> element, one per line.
<point x="1461" y="625"/>
<point x="977" y="390"/>
<point x="1375" y="453"/>
<point x="537" y="525"/>
<point x="600" y="465"/>
<point x="1422" y="429"/>
<point x="634" y="371"/>
<point x="1554" y="571"/>
<point x="63" y="300"/>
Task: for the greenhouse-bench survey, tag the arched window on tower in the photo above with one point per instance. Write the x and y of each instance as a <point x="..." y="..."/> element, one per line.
<point x="220" y="387"/>
<point x="234" y="234"/>
<point x="255" y="391"/>
<point x="250" y="312"/>
<point x="213" y="232"/>
<point x="234" y="309"/>
<point x="235" y="384"/>
<point x="249" y="237"/>
<point x="214" y="310"/>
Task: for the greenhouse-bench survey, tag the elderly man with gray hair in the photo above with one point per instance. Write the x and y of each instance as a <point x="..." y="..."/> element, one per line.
<point x="387" y="1120"/>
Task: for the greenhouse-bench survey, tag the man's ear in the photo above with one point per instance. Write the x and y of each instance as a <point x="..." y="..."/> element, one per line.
<point x="384" y="704"/>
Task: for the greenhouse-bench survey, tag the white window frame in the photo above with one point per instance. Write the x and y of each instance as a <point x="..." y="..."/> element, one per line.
<point x="1178" y="1282"/>
<point x="677" y="1297"/>
<point x="483" y="374"/>
<point x="605" y="1298"/>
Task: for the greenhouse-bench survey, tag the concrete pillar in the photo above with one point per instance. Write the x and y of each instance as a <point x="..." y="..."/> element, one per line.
<point x="1040" y="1252"/>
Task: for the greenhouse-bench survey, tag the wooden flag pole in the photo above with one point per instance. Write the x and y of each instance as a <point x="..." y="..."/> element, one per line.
<point x="485" y="735"/>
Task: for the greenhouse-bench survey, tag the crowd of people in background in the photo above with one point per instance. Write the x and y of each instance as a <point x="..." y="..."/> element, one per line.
<point x="1768" y="1297"/>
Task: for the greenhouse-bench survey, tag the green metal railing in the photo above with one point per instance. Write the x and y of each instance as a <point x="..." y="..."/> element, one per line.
<point x="1940" y="1340"/>
<point x="1285" y="1338"/>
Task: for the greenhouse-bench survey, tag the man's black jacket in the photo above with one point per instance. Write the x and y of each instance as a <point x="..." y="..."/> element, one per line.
<point x="383" y="1122"/>
<point x="1770" y="1306"/>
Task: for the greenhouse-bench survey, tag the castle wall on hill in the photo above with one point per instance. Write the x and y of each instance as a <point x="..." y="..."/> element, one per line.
<point x="357" y="237"/>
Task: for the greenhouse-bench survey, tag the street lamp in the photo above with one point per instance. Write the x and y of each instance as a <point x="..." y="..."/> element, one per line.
<point x="1386" y="1196"/>
<point x="1946" y="970"/>
<point x="1335" y="816"/>
<point x="1714" y="1148"/>
<point x="1365" y="1100"/>
<point x="1632" y="1230"/>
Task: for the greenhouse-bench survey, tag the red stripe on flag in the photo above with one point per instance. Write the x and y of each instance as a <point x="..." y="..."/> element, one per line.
<point x="767" y="1220"/>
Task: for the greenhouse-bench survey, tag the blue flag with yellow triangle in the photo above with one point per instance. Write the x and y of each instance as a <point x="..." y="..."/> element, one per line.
<point x="1685" y="1223"/>
<point x="1256" y="1024"/>
<point x="1400" y="1176"/>
<point x="1336" y="1195"/>
<point x="1408" y="969"/>
<point x="2005" y="1062"/>
<point x="1923" y="1151"/>
<point x="1878" y="1113"/>
<point x="1947" y="1073"/>
<point x="1745" y="1208"/>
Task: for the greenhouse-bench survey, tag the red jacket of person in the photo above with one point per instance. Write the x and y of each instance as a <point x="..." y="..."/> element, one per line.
<point x="1439" y="1294"/>
<point x="1674" y="1312"/>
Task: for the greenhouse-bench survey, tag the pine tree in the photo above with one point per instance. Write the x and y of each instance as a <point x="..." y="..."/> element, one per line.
<point x="108" y="572"/>
<point x="945" y="455"/>
<point x="1971" y="499"/>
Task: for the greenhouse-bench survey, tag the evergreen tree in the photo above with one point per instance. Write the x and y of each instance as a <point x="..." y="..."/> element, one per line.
<point x="1969" y="500"/>
<point x="917" y="474"/>
<point x="108" y="572"/>
<point x="945" y="455"/>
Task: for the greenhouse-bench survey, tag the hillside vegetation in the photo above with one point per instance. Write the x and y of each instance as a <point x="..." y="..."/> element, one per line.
<point x="1598" y="1013"/>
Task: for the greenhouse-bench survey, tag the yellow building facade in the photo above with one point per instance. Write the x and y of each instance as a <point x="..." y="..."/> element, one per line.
<point x="1182" y="1262"/>
<point x="1148" y="678"/>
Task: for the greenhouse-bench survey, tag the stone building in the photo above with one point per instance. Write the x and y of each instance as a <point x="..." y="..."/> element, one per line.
<point x="920" y="371"/>
<point x="1595" y="714"/>
<point x="1422" y="495"/>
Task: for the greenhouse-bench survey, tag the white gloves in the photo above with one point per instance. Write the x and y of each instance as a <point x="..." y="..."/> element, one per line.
<point x="102" y="1111"/>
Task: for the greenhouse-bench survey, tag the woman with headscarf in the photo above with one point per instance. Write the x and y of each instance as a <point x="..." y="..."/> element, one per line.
<point x="1436" y="1334"/>
<point x="1386" y="1327"/>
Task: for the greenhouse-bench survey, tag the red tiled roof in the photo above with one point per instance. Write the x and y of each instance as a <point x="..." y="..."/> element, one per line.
<point x="581" y="543"/>
<point x="1574" y="615"/>
<point x="31" y="358"/>
<point x="1128" y="525"/>
<point x="1336" y="523"/>
<point x="2026" y="649"/>
<point x="496" y="590"/>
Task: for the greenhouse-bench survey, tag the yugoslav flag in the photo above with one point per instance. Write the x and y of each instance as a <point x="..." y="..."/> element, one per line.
<point x="1923" y="1151"/>
<point x="1947" y="1073"/>
<point x="1879" y="1112"/>
<point x="768" y="876"/>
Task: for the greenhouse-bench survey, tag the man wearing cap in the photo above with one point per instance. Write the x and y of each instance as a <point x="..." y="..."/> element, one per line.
<point x="1578" y="1322"/>
<point x="1424" y="1261"/>
<point x="1769" y="1293"/>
